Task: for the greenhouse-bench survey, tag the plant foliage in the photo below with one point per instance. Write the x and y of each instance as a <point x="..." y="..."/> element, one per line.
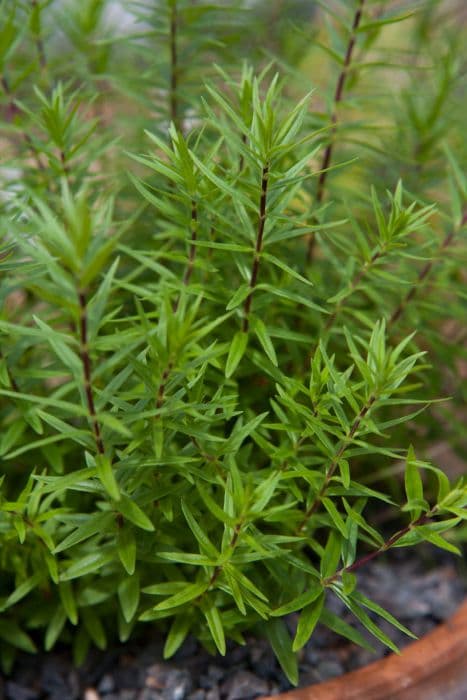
<point x="228" y="311"/>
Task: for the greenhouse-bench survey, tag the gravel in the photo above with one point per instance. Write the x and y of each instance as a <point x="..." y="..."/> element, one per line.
<point x="135" y="671"/>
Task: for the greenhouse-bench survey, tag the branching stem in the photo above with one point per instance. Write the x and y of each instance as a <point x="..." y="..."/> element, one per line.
<point x="259" y="246"/>
<point x="338" y="95"/>
<point x="87" y="372"/>
<point x="232" y="544"/>
<point x="335" y="463"/>
<point x="422" y="520"/>
<point x="163" y="384"/>
<point x="39" y="43"/>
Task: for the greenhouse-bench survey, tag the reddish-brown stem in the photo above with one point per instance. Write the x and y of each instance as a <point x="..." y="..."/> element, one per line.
<point x="39" y="44"/>
<point x="232" y="544"/>
<point x="63" y="161"/>
<point x="335" y="463"/>
<point x="338" y="95"/>
<point x="259" y="247"/>
<point x="163" y="384"/>
<point x="87" y="372"/>
<point x="174" y="65"/>
<point x="422" y="520"/>
<point x="423" y="274"/>
<point x="192" y="253"/>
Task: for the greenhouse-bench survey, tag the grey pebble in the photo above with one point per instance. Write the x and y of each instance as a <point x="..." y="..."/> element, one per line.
<point x="329" y="669"/>
<point x="14" y="691"/>
<point x="106" y="684"/>
<point x="128" y="694"/>
<point x="213" y="694"/>
<point x="150" y="694"/>
<point x="197" y="695"/>
<point x="172" y="683"/>
<point x="243" y="685"/>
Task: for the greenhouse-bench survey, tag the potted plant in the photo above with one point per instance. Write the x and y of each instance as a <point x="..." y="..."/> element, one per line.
<point x="224" y="326"/>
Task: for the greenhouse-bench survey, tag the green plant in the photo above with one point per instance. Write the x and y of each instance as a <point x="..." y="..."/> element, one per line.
<point x="207" y="363"/>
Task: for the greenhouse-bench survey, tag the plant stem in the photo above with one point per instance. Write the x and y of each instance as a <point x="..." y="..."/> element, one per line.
<point x="38" y="41"/>
<point x="338" y="95"/>
<point x="163" y="384"/>
<point x="335" y="463"/>
<point x="259" y="246"/>
<point x="232" y="544"/>
<point x="422" y="520"/>
<point x="424" y="272"/>
<point x="192" y="252"/>
<point x="87" y="372"/>
<point x="174" y="65"/>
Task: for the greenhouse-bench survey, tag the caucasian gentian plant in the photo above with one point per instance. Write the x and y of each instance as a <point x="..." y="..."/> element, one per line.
<point x="232" y="279"/>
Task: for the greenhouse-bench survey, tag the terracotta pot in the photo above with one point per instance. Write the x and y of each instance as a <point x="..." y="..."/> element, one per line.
<point x="433" y="668"/>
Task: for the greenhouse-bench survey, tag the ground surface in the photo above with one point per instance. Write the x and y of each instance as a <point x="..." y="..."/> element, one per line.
<point x="419" y="598"/>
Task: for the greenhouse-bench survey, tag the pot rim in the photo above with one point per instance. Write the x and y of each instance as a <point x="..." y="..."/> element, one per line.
<point x="433" y="668"/>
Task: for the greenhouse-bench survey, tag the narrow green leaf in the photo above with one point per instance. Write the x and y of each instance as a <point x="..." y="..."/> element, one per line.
<point x="301" y="601"/>
<point x="279" y="638"/>
<point x="132" y="512"/>
<point x="68" y="601"/>
<point x="215" y="627"/>
<point x="413" y="482"/>
<point x="87" y="565"/>
<point x="202" y="538"/>
<point x="337" y="625"/>
<point x="22" y="590"/>
<point x="14" y="635"/>
<point x="128" y="595"/>
<point x="264" y="338"/>
<point x="331" y="555"/>
<point x="189" y="593"/>
<point x="105" y="473"/>
<point x="335" y="516"/>
<point x="92" y="525"/>
<point x="54" y="628"/>
<point x="177" y="634"/>
<point x="236" y="352"/>
<point x="374" y="607"/>
<point x="126" y="548"/>
<point x="240" y="295"/>
<point x="94" y="627"/>
<point x="309" y="618"/>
